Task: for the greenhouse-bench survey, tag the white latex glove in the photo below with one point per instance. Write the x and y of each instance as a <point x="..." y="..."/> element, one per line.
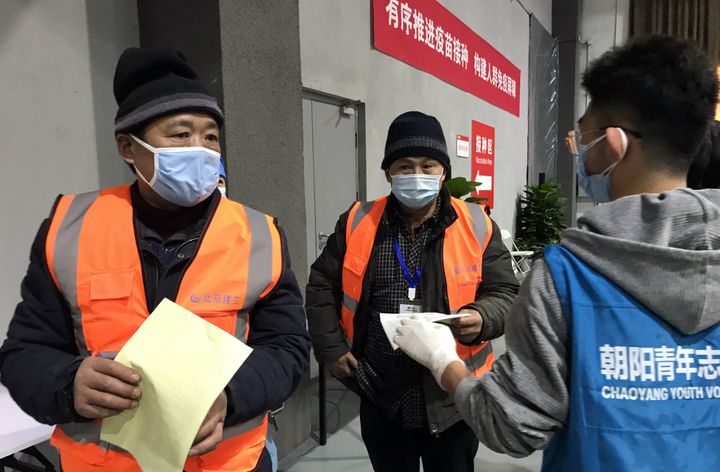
<point x="429" y="344"/>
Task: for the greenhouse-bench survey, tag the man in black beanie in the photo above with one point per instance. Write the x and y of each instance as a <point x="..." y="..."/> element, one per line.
<point x="416" y="250"/>
<point x="104" y="260"/>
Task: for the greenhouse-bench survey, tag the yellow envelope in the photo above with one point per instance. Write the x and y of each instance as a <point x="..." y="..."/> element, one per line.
<point x="184" y="363"/>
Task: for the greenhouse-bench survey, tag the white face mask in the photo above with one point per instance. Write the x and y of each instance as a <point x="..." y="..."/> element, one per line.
<point x="415" y="190"/>
<point x="223" y="191"/>
<point x="184" y="176"/>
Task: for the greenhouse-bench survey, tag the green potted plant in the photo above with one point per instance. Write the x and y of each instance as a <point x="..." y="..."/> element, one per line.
<point x="540" y="219"/>
<point x="460" y="186"/>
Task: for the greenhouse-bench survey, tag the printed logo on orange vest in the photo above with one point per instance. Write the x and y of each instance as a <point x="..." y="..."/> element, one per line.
<point x="215" y="298"/>
<point x="465" y="269"/>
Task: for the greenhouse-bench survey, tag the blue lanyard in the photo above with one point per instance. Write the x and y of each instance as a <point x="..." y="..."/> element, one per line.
<point x="412" y="281"/>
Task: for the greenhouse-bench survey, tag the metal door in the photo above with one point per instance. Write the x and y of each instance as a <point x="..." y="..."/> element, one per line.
<point x="331" y="167"/>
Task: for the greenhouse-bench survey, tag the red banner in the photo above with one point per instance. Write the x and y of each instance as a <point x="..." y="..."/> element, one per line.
<point x="483" y="161"/>
<point x="426" y="35"/>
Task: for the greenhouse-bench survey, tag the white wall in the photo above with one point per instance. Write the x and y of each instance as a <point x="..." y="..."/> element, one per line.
<point x="604" y="24"/>
<point x="56" y="65"/>
<point x="541" y="9"/>
<point x="337" y="58"/>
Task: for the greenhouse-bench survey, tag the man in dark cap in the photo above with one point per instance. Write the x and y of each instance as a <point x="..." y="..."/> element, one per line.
<point x="104" y="260"/>
<point x="416" y="250"/>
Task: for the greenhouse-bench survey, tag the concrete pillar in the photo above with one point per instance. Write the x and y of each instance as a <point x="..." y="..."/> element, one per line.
<point x="260" y="43"/>
<point x="190" y="26"/>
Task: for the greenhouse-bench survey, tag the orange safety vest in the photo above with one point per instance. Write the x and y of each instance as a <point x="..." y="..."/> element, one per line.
<point x="463" y="248"/>
<point x="93" y="258"/>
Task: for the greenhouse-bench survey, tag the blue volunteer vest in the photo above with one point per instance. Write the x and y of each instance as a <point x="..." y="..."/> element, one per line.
<point x="643" y="397"/>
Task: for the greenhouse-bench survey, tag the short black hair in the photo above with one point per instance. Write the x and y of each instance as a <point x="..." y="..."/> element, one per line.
<point x="139" y="132"/>
<point x="666" y="87"/>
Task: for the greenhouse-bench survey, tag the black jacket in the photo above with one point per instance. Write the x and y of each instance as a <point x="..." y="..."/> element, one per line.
<point x="39" y="359"/>
<point x="324" y="292"/>
<point x="324" y="296"/>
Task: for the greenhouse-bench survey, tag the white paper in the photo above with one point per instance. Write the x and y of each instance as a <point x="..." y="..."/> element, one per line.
<point x="391" y="321"/>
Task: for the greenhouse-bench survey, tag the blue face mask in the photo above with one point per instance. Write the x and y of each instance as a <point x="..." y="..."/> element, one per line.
<point x="184" y="176"/>
<point x="597" y="186"/>
<point x="415" y="190"/>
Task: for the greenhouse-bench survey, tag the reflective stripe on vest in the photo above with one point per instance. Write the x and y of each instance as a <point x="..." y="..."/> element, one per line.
<point x="62" y="254"/>
<point x="93" y="258"/>
<point x="463" y="247"/>
<point x="363" y="221"/>
<point x="89" y="456"/>
<point x="89" y="433"/>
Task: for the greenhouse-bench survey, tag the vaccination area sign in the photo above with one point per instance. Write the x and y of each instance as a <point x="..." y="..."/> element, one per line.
<point x="482" y="167"/>
<point x="426" y="35"/>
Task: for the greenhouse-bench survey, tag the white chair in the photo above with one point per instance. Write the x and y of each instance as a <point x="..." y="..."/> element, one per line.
<point x="521" y="260"/>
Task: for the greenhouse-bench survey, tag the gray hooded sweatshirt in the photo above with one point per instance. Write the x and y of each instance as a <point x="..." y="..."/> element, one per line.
<point x="663" y="250"/>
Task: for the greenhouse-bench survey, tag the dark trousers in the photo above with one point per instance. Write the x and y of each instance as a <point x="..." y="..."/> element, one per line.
<point x="394" y="449"/>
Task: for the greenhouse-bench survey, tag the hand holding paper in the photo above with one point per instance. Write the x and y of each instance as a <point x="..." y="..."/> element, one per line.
<point x="210" y="433"/>
<point x="468" y="328"/>
<point x="104" y="388"/>
<point x="391" y="321"/>
<point x="184" y="363"/>
<point x="429" y="344"/>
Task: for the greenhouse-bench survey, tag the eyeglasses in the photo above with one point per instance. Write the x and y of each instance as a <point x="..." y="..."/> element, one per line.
<point x="572" y="140"/>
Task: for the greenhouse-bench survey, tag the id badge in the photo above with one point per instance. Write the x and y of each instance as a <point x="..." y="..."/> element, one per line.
<point x="409" y="307"/>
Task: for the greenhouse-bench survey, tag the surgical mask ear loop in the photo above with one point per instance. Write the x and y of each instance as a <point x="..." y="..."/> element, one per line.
<point x="624" y="142"/>
<point x="153" y="150"/>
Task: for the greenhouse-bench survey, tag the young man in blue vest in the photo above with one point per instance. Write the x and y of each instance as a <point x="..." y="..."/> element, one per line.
<point x="613" y="343"/>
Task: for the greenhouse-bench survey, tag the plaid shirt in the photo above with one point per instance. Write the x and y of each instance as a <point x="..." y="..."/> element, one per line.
<point x="389" y="378"/>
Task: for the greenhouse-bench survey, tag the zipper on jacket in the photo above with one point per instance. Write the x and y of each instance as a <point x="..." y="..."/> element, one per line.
<point x="197" y="249"/>
<point x="211" y="213"/>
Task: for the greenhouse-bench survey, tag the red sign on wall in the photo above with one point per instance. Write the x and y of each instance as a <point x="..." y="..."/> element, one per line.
<point x="426" y="35"/>
<point x="483" y="161"/>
